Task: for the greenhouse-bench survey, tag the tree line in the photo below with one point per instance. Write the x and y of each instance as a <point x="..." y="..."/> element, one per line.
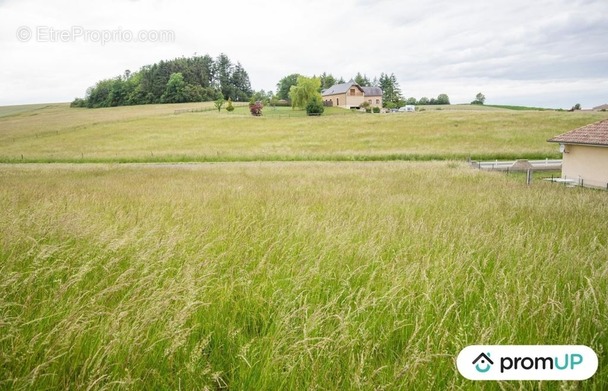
<point x="392" y="96"/>
<point x="193" y="79"/>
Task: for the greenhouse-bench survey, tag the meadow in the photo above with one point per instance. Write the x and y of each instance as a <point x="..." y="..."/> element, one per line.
<point x="346" y="252"/>
<point x="293" y="275"/>
<point x="57" y="133"/>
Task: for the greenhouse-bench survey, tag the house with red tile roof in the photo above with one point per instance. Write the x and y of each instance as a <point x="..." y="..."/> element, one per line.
<point x="585" y="154"/>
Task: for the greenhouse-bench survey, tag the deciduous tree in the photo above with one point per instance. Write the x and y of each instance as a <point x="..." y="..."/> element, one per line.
<point x="284" y="85"/>
<point x="218" y="104"/>
<point x="304" y="91"/>
<point x="479" y="99"/>
<point x="443" y="99"/>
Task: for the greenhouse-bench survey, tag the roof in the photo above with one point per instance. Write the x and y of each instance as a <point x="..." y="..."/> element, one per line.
<point x="593" y="134"/>
<point x="340" y="88"/>
<point x="344" y="87"/>
<point x="372" y="91"/>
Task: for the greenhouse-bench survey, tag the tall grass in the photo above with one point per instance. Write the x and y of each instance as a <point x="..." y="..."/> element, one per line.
<point x="271" y="276"/>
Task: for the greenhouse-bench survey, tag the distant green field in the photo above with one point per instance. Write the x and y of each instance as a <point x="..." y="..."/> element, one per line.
<point x="154" y="133"/>
<point x="512" y="107"/>
<point x="290" y="276"/>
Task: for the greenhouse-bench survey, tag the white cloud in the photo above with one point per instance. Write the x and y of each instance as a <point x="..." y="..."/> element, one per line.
<point x="546" y="53"/>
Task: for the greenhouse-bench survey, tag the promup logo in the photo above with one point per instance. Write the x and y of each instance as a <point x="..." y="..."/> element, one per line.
<point x="527" y="362"/>
<point x="482" y="359"/>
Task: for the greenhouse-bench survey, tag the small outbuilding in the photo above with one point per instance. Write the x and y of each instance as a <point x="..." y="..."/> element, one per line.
<point x="585" y="154"/>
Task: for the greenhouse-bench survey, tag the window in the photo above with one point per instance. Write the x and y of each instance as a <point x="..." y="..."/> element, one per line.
<point x="377" y="101"/>
<point x="337" y="101"/>
<point x="369" y="100"/>
<point x="352" y="91"/>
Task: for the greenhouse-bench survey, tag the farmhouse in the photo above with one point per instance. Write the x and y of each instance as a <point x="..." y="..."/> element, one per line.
<point x="351" y="95"/>
<point x="585" y="154"/>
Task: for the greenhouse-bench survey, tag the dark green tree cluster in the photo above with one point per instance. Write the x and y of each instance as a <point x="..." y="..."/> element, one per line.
<point x="442" y="99"/>
<point x="194" y="79"/>
<point x="391" y="93"/>
<point x="329" y="80"/>
<point x="363" y="81"/>
<point x="284" y="85"/>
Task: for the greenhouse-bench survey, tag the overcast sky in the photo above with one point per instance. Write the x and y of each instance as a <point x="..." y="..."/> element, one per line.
<point x="540" y="53"/>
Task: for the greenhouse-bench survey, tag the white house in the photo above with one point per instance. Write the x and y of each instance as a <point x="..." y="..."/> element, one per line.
<point x="585" y="154"/>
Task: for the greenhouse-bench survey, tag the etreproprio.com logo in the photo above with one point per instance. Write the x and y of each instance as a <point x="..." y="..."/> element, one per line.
<point x="527" y="362"/>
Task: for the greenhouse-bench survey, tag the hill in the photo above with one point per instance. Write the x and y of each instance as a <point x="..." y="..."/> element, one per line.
<point x="155" y="133"/>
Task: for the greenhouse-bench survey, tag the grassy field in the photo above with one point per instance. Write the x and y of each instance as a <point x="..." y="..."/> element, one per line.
<point x="271" y="276"/>
<point x="57" y="133"/>
<point x="282" y="262"/>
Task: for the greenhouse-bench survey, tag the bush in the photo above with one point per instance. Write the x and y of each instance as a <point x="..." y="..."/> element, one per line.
<point x="368" y="110"/>
<point x="376" y="110"/>
<point x="78" y="102"/>
<point x="256" y="108"/>
<point x="229" y="107"/>
<point x="315" y="106"/>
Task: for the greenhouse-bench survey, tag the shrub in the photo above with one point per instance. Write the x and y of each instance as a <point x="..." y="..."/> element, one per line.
<point x="376" y="110"/>
<point x="256" y="108"/>
<point x="78" y="102"/>
<point x="229" y="107"/>
<point x="368" y="110"/>
<point x="315" y="106"/>
<point x="390" y="105"/>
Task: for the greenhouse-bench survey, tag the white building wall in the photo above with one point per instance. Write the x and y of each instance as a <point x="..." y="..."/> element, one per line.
<point x="586" y="164"/>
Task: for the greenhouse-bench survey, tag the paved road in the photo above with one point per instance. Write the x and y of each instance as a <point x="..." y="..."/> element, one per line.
<point x="547" y="164"/>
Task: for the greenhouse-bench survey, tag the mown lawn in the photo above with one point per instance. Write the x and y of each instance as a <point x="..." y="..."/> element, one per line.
<point x="269" y="276"/>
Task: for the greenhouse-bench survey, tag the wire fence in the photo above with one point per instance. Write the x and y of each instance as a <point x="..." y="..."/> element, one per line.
<point x="268" y="112"/>
<point x="205" y="109"/>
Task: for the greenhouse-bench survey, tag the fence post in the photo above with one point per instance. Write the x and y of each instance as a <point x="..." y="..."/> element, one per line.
<point x="528" y="176"/>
